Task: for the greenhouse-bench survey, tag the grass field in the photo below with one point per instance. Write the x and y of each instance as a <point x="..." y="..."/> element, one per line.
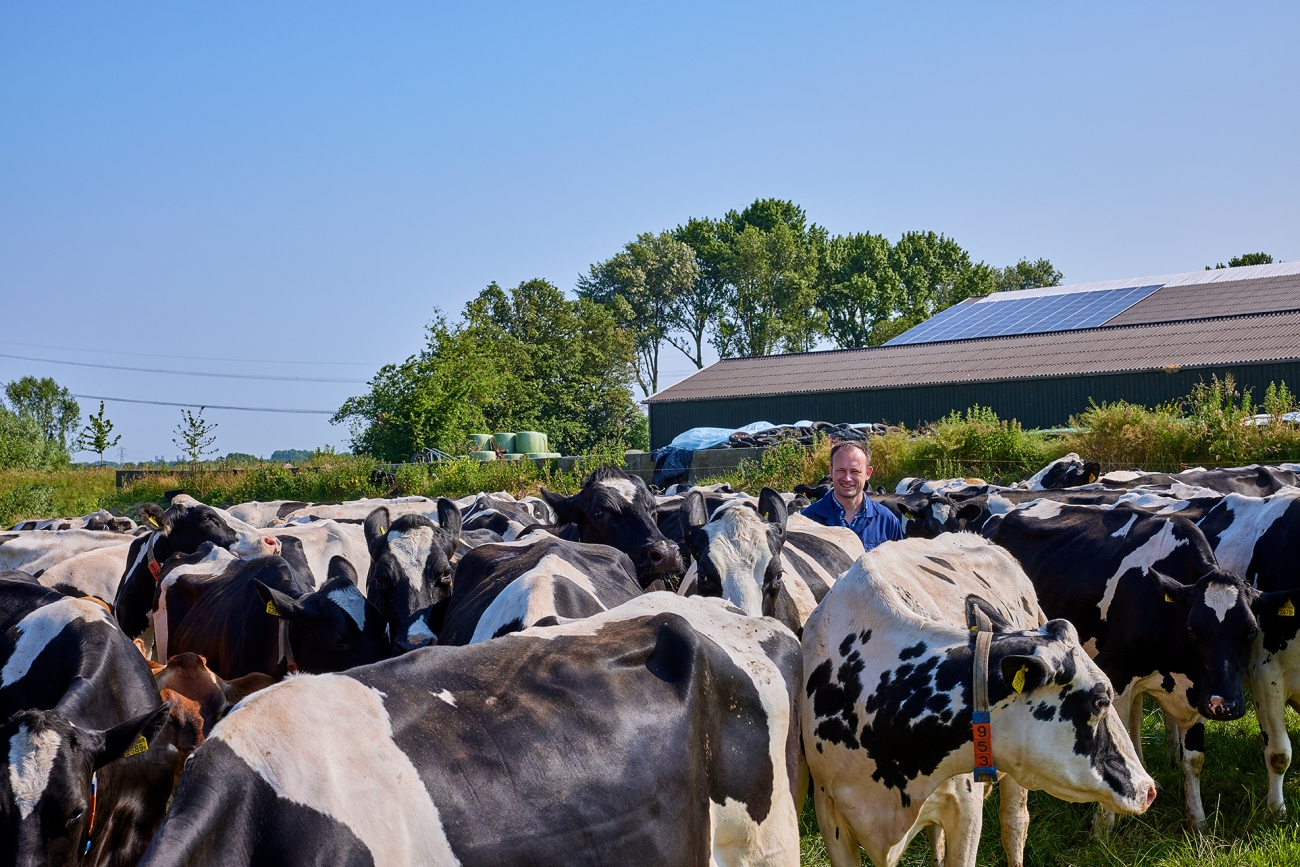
<point x="1233" y="785"/>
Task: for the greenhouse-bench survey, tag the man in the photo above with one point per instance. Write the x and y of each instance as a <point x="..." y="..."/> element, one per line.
<point x="847" y="505"/>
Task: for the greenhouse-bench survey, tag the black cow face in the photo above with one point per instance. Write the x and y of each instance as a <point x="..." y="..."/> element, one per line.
<point x="738" y="553"/>
<point x="926" y="516"/>
<point x="334" y="628"/>
<point x="618" y="510"/>
<point x="1221" y="627"/>
<point x="46" y="765"/>
<point x="410" y="569"/>
<point x="1070" y="471"/>
<point x="185" y="527"/>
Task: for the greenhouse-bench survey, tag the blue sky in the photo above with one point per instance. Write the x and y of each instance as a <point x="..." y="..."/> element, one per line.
<point x="283" y="187"/>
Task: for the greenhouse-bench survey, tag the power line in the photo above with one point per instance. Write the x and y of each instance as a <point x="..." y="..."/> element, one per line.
<point x="261" y="376"/>
<point x="185" y="357"/>
<point x="208" y="405"/>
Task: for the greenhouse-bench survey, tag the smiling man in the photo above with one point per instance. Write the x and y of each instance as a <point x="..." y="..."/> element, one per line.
<point x="847" y="504"/>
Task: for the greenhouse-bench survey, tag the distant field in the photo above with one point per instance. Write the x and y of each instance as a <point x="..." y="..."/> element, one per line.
<point x="1233" y="786"/>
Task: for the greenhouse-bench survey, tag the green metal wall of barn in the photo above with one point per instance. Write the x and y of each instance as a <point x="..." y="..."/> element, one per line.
<point x="1036" y="403"/>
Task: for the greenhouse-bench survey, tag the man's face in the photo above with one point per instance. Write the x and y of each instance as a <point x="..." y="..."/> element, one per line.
<point x="849" y="472"/>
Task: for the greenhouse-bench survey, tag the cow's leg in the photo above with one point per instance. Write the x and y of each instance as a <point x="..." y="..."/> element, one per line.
<point x="962" y="821"/>
<point x="1133" y="723"/>
<point x="1192" y="739"/>
<point x="801" y="783"/>
<point x="1013" y="811"/>
<point x="1128" y="705"/>
<point x="937" y="847"/>
<point x="1173" y="740"/>
<point x="1268" y="689"/>
<point x="841" y="844"/>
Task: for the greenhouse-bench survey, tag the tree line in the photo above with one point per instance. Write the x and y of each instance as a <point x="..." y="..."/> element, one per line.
<point x="765" y="280"/>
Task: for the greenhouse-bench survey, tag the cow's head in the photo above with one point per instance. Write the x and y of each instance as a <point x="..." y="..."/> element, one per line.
<point x="926" y="516"/>
<point x="1053" y="727"/>
<point x="738" y="551"/>
<point x="1221" y="626"/>
<point x="410" y="569"/>
<point x="618" y="510"/>
<point x="333" y="628"/>
<point x="1070" y="471"/>
<point x="46" y="766"/>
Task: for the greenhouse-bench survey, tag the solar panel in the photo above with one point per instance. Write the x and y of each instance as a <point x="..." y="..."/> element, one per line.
<point x="990" y="317"/>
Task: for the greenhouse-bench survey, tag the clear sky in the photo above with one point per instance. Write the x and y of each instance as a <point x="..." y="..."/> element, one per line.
<point x="293" y="188"/>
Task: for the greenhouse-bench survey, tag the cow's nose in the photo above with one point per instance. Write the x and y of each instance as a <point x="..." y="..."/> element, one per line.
<point x="1220" y="706"/>
<point x="664" y="557"/>
<point x="1151" y="794"/>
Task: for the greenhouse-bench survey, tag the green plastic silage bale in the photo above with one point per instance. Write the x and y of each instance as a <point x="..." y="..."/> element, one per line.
<point x="480" y="442"/>
<point x="504" y="441"/>
<point x="530" y="441"/>
<point x="483" y="455"/>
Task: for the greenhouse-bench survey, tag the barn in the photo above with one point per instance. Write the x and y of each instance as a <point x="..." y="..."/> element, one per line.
<point x="1036" y="355"/>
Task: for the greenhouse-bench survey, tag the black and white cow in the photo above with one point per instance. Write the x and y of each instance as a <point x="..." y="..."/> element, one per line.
<point x="507" y="518"/>
<point x="411" y="571"/>
<point x="103" y="520"/>
<point x="181" y="529"/>
<point x="1070" y="471"/>
<point x="34" y="551"/>
<point x="660" y="732"/>
<point x="75" y="696"/>
<point x="886" y="720"/>
<point x="505" y="588"/>
<point x="1152" y="606"/>
<point x="91" y="573"/>
<point x="322" y="541"/>
<point x="264" y="616"/>
<point x="1253" y="481"/>
<point x="618" y="510"/>
<point x="763" y="561"/>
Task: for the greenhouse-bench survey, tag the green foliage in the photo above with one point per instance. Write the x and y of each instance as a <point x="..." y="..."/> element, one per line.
<point x="50" y="404"/>
<point x="1245" y="259"/>
<point x="23" y="444"/>
<point x="698" y="307"/>
<point x="290" y="456"/>
<point x="858" y="289"/>
<point x="1027" y="275"/>
<point x="528" y="359"/>
<point x="195" y="436"/>
<point x="26" y="501"/>
<point x="95" y="437"/>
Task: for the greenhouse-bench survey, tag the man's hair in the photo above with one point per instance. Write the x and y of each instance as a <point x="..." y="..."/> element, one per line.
<point x="852" y="444"/>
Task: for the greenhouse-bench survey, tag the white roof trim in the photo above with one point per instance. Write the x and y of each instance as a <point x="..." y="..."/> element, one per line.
<point x="1216" y="275"/>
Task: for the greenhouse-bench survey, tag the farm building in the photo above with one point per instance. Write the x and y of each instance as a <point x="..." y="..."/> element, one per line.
<point x="1037" y="355"/>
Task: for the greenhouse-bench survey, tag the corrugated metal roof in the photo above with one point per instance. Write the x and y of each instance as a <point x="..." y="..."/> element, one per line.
<point x="1210" y="300"/>
<point x="1199" y="343"/>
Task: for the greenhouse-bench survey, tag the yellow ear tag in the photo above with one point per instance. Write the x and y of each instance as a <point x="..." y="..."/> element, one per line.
<point x="911" y="516"/>
<point x="1092" y="477"/>
<point x="1018" y="682"/>
<point x="271" y="609"/>
<point x="1287" y="609"/>
<point x="383" y="530"/>
<point x="767" y="516"/>
<point x="140" y="746"/>
<point x="1168" y="598"/>
<point x="153" y="522"/>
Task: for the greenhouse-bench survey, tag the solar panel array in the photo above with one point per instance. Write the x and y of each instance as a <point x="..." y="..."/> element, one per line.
<point x="1034" y="315"/>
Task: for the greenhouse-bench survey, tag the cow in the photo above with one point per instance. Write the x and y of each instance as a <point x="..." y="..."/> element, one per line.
<point x="83" y="777"/>
<point x="267" y="514"/>
<point x="411" y="571"/>
<point x="659" y="732"/>
<point x="1253" y="481"/>
<point x="1070" y="471"/>
<point x="181" y="529"/>
<point x="322" y="541"/>
<point x="91" y="573"/>
<point x="34" y="551"/>
<point x="764" y="561"/>
<point x="618" y="510"/>
<point x="1154" y="608"/>
<point x="103" y="520"/>
<point x="500" y="589"/>
<point x="356" y="511"/>
<point x="188" y="675"/>
<point x="890" y="666"/>
<point x="507" y="518"/>
<point x="263" y="616"/>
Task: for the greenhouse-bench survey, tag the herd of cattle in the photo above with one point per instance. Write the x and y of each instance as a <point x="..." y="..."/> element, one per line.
<point x="624" y="677"/>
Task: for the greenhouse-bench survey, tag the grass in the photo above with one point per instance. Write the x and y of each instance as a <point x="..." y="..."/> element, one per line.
<point x="1233" y="785"/>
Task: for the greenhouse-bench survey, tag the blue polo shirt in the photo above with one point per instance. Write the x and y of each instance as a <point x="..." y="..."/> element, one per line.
<point x="873" y="523"/>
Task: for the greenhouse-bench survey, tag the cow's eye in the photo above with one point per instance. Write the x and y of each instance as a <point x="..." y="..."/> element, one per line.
<point x="75" y="817"/>
<point x="599" y="513"/>
<point x="1254" y="633"/>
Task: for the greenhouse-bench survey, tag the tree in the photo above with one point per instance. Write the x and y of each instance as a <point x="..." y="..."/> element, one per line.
<point x="640" y="286"/>
<point x="935" y="273"/>
<point x="95" y="436"/>
<point x="1027" y="275"/>
<point x="696" y="309"/>
<point x="51" y="405"/>
<point x="857" y="288"/>
<point x="1245" y="259"/>
<point x="23" y="444"/>
<point x="195" y="436"/>
<point x="526" y="359"/>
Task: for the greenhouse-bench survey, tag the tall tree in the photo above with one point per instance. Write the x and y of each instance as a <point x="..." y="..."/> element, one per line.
<point x="641" y="286"/>
<point x="697" y="308"/>
<point x="96" y="436"/>
<point x="1027" y="275"/>
<point x="51" y="405"/>
<point x="195" y="436"/>
<point x="935" y="273"/>
<point x="857" y="288"/>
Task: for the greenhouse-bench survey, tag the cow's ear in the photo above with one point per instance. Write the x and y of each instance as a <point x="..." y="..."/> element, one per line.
<point x="340" y="567"/>
<point x="969" y="512"/>
<point x="129" y="738"/>
<point x="449" y="518"/>
<point x="1091" y="472"/>
<point x="772" y="507"/>
<point x="566" y="511"/>
<point x="278" y="604"/>
<point x="1025" y="673"/>
<point x="1174" y="593"/>
<point x="693" y="513"/>
<point x="154" y="518"/>
<point x="1280" y="603"/>
<point x="376" y="527"/>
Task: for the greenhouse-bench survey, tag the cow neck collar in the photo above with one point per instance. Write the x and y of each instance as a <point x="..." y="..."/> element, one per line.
<point x="155" y="569"/>
<point x="94" y="803"/>
<point x="981" y="725"/>
<point x="286" y="649"/>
